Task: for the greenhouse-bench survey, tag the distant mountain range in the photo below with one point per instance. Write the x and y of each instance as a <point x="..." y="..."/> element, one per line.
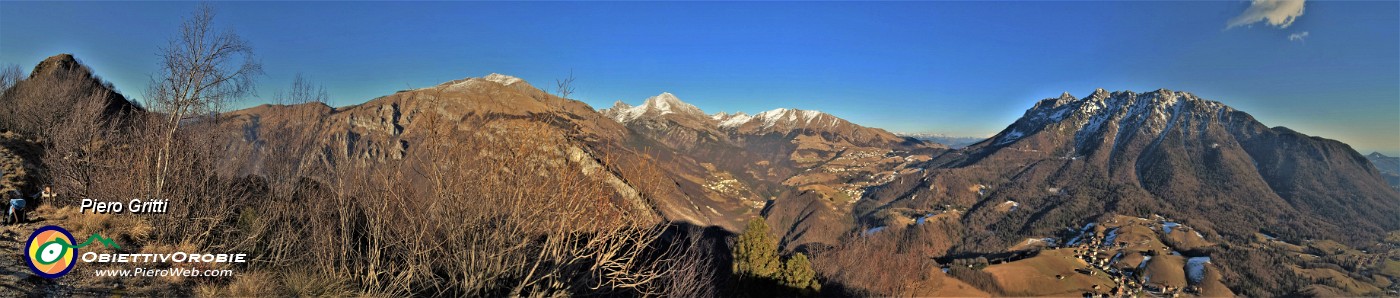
<point x="667" y="106"/>
<point x="826" y="184"/>
<point x="954" y="142"/>
<point x="1388" y="166"/>
<point x="789" y="163"/>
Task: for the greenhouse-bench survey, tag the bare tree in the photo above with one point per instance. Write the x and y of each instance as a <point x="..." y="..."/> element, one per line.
<point x="78" y="146"/>
<point x="9" y="75"/>
<point x="200" y="71"/>
<point x="303" y="91"/>
<point x="565" y="87"/>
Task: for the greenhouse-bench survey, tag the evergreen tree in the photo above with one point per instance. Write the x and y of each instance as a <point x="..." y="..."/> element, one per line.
<point x="756" y="252"/>
<point x="798" y="274"/>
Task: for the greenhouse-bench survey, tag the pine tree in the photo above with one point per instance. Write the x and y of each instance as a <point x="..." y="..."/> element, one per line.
<point x="798" y="274"/>
<point x="756" y="252"/>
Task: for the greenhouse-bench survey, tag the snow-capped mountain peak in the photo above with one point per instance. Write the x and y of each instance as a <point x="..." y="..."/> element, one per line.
<point x="667" y="103"/>
<point x="1099" y="94"/>
<point x="662" y="104"/>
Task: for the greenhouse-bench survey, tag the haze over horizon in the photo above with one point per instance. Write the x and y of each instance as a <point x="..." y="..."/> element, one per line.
<point x="1329" y="69"/>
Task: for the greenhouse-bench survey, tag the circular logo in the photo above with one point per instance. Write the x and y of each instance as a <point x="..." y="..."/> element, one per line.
<point x="50" y="252"/>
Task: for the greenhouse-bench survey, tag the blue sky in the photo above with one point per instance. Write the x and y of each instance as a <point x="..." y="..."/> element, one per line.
<point x="962" y="68"/>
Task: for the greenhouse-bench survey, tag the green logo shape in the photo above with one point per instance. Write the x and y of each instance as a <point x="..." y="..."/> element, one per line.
<point x="63" y="246"/>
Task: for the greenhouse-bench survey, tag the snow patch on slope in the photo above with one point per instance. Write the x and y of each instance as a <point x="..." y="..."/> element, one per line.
<point x="734" y="120"/>
<point x="1196" y="268"/>
<point x="628" y="113"/>
<point x="1012" y="136"/>
<point x="793" y="117"/>
<point x="771" y="117"/>
<point x="502" y="79"/>
<point x="808" y="116"/>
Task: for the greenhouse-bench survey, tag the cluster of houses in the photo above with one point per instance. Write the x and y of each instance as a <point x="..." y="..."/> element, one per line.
<point x="1100" y="255"/>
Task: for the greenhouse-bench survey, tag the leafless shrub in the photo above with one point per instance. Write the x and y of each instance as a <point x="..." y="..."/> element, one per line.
<point x="691" y="267"/>
<point x="302" y="91"/>
<point x="873" y="265"/>
<point x="78" y="146"/>
<point x="9" y="75"/>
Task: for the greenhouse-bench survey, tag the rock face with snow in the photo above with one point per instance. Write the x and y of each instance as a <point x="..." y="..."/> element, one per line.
<point x="1180" y="147"/>
<point x="1116" y="119"/>
<point x="727" y="120"/>
<point x="667" y="119"/>
<point x="655" y="106"/>
<point x="785" y="120"/>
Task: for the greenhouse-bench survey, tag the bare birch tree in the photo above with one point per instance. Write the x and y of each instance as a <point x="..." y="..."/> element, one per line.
<point x="201" y="69"/>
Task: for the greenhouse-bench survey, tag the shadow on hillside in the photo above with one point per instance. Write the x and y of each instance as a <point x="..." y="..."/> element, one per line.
<point x="716" y="242"/>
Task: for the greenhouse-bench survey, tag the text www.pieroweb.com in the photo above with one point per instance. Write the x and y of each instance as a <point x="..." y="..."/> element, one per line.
<point x="184" y="272"/>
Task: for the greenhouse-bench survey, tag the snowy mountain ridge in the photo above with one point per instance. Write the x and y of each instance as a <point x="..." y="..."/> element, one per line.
<point x="1153" y="113"/>
<point x="667" y="103"/>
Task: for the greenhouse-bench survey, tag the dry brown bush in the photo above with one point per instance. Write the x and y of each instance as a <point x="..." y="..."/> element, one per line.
<point x="873" y="265"/>
<point x="34" y="105"/>
<point x="77" y="147"/>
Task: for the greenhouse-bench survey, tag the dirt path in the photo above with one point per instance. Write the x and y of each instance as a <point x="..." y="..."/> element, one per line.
<point x="16" y="279"/>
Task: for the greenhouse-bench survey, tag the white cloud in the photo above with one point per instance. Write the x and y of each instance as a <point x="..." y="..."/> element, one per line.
<point x="1298" y="36"/>
<point x="1277" y="13"/>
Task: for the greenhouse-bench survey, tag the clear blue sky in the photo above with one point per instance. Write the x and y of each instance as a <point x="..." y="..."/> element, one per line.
<point x="962" y="68"/>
